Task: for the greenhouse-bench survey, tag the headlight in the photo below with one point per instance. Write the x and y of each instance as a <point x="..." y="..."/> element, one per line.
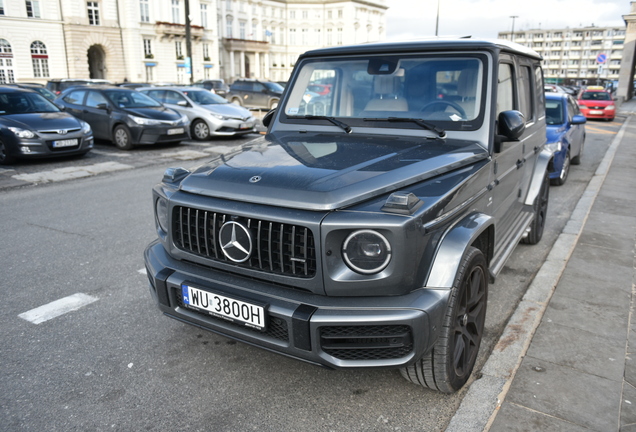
<point x="184" y="118"/>
<point x="144" y="121"/>
<point x="219" y="116"/>
<point x="554" y="147"/>
<point x="22" y="133"/>
<point x="86" y="128"/>
<point x="366" y="252"/>
<point x="161" y="213"/>
<point x="610" y="107"/>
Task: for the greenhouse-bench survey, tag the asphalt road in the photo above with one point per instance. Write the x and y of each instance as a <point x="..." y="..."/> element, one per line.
<point x="118" y="364"/>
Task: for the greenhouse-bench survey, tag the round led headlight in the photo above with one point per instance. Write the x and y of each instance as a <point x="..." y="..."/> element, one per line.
<point x="366" y="251"/>
<point x="161" y="213"/>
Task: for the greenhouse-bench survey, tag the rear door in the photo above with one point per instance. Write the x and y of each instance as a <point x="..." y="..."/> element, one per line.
<point x="74" y="103"/>
<point x="98" y="118"/>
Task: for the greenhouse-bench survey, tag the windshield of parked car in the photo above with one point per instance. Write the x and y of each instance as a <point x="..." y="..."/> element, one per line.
<point x="25" y="103"/>
<point x="604" y="96"/>
<point x="131" y="99"/>
<point x="275" y="87"/>
<point x="204" y="97"/>
<point x="446" y="89"/>
<point x="554" y="112"/>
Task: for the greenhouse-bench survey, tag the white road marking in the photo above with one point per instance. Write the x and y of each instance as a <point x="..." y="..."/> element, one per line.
<point x="68" y="173"/>
<point x="57" y="308"/>
<point x="142" y="271"/>
<point x="105" y="153"/>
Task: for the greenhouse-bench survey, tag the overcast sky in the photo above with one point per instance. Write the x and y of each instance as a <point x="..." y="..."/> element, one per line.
<point x="409" y="19"/>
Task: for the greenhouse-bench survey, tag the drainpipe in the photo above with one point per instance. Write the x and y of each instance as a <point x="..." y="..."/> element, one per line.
<point x="68" y="73"/>
<point x="121" y="40"/>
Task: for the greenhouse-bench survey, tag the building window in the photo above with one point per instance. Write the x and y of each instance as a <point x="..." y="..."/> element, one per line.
<point x="180" y="74"/>
<point x="242" y="32"/>
<point x="305" y="14"/>
<point x="1" y="7"/>
<point x="339" y="37"/>
<point x="40" y="60"/>
<point x="339" y="13"/>
<point x="93" y="13"/>
<point x="176" y="15"/>
<point x="149" y="73"/>
<point x="206" y="52"/>
<point x="204" y="15"/>
<point x="292" y="14"/>
<point x="303" y="37"/>
<point x="228" y="27"/>
<point x="148" y="49"/>
<point x="329" y="37"/>
<point x="292" y="36"/>
<point x="144" y="10"/>
<point x="33" y="8"/>
<point x="228" y="4"/>
<point x="178" y="50"/>
<point x="6" y="62"/>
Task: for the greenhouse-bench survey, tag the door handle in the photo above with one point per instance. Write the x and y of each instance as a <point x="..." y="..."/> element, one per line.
<point x="519" y="163"/>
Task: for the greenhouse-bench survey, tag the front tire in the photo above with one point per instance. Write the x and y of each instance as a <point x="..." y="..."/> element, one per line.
<point x="540" y="213"/>
<point x="448" y="365"/>
<point x="122" y="137"/>
<point x="200" y="130"/>
<point x="5" y="158"/>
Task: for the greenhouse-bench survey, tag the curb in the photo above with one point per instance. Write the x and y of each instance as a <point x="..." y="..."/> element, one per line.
<point x="485" y="396"/>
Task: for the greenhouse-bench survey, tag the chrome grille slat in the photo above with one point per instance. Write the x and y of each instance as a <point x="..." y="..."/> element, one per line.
<point x="278" y="248"/>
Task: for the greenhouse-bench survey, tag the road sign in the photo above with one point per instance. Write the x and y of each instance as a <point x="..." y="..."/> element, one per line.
<point x="601" y="58"/>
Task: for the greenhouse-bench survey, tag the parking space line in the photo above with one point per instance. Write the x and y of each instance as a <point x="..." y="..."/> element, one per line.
<point x="68" y="173"/>
<point x="58" y="307"/>
<point x="142" y="271"/>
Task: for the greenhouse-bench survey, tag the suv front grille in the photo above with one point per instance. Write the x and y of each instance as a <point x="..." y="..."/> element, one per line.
<point x="366" y="342"/>
<point x="277" y="248"/>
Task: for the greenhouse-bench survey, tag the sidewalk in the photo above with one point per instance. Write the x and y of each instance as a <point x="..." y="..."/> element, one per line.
<point x="567" y="358"/>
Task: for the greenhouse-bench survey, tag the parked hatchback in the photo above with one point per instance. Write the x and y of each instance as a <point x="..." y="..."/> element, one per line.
<point x="255" y="94"/>
<point x="31" y="126"/>
<point x="596" y="103"/>
<point x="209" y="114"/>
<point x="125" y="117"/>
<point x="565" y="129"/>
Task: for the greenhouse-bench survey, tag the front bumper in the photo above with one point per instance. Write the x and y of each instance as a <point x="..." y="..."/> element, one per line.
<point x="598" y="113"/>
<point x="152" y="134"/>
<point x="232" y="127"/>
<point x="42" y="146"/>
<point x="336" y="332"/>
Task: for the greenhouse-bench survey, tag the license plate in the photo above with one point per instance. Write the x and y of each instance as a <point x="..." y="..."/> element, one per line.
<point x="65" y="143"/>
<point x="221" y="306"/>
<point x="246" y="125"/>
<point x="596" y="112"/>
<point x="175" y="131"/>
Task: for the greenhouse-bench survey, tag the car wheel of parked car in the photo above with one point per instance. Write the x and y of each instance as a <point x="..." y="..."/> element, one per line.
<point x="273" y="103"/>
<point x="4" y="157"/>
<point x="200" y="130"/>
<point x="563" y="175"/>
<point x="122" y="137"/>
<point x="237" y="101"/>
<point x="449" y="364"/>
<point x="576" y="160"/>
<point x="540" y="212"/>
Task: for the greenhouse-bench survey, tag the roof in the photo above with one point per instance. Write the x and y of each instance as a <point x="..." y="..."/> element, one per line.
<point x="434" y="44"/>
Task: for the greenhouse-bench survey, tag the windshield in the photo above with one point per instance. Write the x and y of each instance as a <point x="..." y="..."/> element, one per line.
<point x="440" y="88"/>
<point x="604" y="96"/>
<point x="275" y="87"/>
<point x="131" y="99"/>
<point x="204" y="97"/>
<point x="24" y="103"/>
<point x="554" y="112"/>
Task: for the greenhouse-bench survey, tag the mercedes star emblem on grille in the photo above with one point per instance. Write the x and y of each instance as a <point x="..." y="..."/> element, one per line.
<point x="236" y="241"/>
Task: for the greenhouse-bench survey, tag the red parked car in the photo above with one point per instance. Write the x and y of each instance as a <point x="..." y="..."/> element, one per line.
<point x="596" y="103"/>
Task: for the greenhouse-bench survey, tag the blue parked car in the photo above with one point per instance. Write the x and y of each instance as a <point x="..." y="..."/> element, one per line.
<point x="566" y="134"/>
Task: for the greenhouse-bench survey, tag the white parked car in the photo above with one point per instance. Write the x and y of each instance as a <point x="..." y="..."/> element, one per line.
<point x="209" y="114"/>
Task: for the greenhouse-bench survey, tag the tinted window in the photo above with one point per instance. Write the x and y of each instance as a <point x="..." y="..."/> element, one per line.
<point x="156" y="94"/>
<point x="554" y="112"/>
<point x="75" y="97"/>
<point x="205" y="97"/>
<point x="595" y="96"/>
<point x="23" y="103"/>
<point x="505" y="95"/>
<point x="172" y="97"/>
<point x="275" y="87"/>
<point x="95" y="98"/>
<point x="131" y="99"/>
<point x="525" y="93"/>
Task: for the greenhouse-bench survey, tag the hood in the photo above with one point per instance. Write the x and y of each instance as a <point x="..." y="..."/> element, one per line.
<point x="229" y="110"/>
<point x="327" y="171"/>
<point x="156" y="113"/>
<point x="41" y="121"/>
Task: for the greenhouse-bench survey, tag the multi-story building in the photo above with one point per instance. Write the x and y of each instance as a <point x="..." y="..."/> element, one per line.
<point x="580" y="55"/>
<point x="145" y="40"/>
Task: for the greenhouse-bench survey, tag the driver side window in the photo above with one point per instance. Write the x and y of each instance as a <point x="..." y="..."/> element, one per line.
<point x="505" y="88"/>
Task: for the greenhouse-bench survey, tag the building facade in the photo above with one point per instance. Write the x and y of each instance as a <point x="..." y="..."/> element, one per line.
<point x="145" y="40"/>
<point x="585" y="55"/>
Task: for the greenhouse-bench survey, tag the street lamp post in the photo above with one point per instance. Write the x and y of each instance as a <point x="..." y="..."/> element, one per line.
<point x="188" y="37"/>
<point x="437" y="20"/>
<point x="512" y="36"/>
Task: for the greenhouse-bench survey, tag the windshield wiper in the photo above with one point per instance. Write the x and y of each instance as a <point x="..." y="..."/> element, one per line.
<point x="426" y="125"/>
<point x="333" y="120"/>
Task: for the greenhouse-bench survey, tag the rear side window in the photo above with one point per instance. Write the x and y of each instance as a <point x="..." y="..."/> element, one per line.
<point x="525" y="93"/>
<point x="505" y="88"/>
<point x="95" y="98"/>
<point x="75" y="97"/>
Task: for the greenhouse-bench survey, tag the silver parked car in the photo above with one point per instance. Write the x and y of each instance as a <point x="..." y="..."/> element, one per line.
<point x="209" y="114"/>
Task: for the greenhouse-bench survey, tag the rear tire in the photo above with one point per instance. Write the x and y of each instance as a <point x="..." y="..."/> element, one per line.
<point x="540" y="212"/>
<point x="448" y="365"/>
<point x="122" y="138"/>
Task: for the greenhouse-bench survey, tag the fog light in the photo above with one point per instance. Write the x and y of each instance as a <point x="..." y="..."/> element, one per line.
<point x="25" y="150"/>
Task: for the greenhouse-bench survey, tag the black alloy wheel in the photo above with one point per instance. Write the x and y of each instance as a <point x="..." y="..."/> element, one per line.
<point x="5" y="159"/>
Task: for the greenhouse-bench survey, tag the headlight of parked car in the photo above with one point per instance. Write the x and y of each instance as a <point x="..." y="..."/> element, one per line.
<point x="145" y="121"/>
<point x="86" y="128"/>
<point x="610" y="107"/>
<point x="161" y="212"/>
<point x="366" y="251"/>
<point x="219" y="116"/>
<point x="554" y="147"/>
<point x="22" y="133"/>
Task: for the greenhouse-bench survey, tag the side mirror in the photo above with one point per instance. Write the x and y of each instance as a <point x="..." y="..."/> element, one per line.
<point x="512" y="124"/>
<point x="61" y="107"/>
<point x="102" y="106"/>
<point x="578" y="119"/>
<point x="267" y="118"/>
<point x="183" y="103"/>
